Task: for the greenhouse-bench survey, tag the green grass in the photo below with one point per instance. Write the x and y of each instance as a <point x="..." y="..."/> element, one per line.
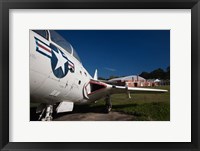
<point x="153" y="107"/>
<point x="144" y="107"/>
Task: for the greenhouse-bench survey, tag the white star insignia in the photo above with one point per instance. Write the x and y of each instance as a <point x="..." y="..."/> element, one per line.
<point x="61" y="61"/>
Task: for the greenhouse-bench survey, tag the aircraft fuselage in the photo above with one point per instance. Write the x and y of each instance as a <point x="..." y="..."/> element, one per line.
<point x="55" y="74"/>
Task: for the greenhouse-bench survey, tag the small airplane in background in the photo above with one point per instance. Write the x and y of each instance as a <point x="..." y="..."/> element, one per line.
<point x="57" y="77"/>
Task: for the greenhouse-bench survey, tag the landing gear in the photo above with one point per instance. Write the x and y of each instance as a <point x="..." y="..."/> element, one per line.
<point x="108" y="104"/>
<point x="49" y="112"/>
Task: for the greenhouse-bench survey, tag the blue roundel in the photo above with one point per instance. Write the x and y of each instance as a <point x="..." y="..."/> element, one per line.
<point x="59" y="63"/>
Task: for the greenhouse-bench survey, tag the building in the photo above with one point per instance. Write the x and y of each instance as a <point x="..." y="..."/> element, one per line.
<point x="131" y="81"/>
<point x="134" y="81"/>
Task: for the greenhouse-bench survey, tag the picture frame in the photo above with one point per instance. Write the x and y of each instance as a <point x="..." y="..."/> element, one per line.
<point x="5" y="5"/>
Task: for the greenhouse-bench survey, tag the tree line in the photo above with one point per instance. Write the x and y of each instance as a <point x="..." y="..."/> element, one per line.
<point x="155" y="74"/>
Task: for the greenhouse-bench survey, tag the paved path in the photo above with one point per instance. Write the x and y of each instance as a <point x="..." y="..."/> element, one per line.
<point x="112" y="116"/>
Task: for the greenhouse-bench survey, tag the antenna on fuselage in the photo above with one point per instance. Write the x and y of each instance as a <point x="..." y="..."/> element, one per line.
<point x="95" y="75"/>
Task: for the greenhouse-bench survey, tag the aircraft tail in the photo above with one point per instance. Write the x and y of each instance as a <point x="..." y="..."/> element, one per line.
<point x="95" y="75"/>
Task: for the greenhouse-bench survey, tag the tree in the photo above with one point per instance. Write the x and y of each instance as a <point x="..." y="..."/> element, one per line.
<point x="144" y="75"/>
<point x="167" y="73"/>
<point x="112" y="77"/>
<point x="157" y="74"/>
<point x="101" y="78"/>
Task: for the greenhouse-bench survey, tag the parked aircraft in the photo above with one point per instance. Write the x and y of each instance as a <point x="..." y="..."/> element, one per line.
<point x="57" y="77"/>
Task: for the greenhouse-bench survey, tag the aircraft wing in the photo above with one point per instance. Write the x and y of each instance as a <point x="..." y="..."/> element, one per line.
<point x="122" y="89"/>
<point x="95" y="90"/>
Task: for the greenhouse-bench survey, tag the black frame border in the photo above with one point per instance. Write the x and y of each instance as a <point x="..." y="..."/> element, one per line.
<point x="5" y="5"/>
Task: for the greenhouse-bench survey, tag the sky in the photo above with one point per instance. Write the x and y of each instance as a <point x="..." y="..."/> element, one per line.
<point x="120" y="52"/>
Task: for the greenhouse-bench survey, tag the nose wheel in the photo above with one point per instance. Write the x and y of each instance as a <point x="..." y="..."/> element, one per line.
<point x="49" y="112"/>
<point x="108" y="104"/>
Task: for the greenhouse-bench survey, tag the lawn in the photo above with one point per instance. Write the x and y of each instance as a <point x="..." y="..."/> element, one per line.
<point x="144" y="107"/>
<point x="151" y="107"/>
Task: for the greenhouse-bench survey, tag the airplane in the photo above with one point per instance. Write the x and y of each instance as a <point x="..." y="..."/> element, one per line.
<point x="58" y="78"/>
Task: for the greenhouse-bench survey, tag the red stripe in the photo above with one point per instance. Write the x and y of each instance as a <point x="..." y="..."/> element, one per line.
<point x="71" y="65"/>
<point x="44" y="47"/>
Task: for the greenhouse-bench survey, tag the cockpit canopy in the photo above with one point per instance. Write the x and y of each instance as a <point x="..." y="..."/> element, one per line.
<point x="59" y="40"/>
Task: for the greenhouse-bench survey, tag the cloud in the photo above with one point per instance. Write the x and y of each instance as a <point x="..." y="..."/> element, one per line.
<point x="110" y="69"/>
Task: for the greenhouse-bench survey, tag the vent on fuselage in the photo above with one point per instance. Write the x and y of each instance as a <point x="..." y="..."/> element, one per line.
<point x="93" y="87"/>
<point x="96" y="86"/>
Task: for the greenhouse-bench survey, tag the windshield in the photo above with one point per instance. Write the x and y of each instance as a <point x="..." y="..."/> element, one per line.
<point x="76" y="55"/>
<point x="42" y="33"/>
<point x="59" y="40"/>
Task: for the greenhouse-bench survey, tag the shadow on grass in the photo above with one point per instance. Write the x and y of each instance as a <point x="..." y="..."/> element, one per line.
<point x="33" y="115"/>
<point x="156" y="111"/>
